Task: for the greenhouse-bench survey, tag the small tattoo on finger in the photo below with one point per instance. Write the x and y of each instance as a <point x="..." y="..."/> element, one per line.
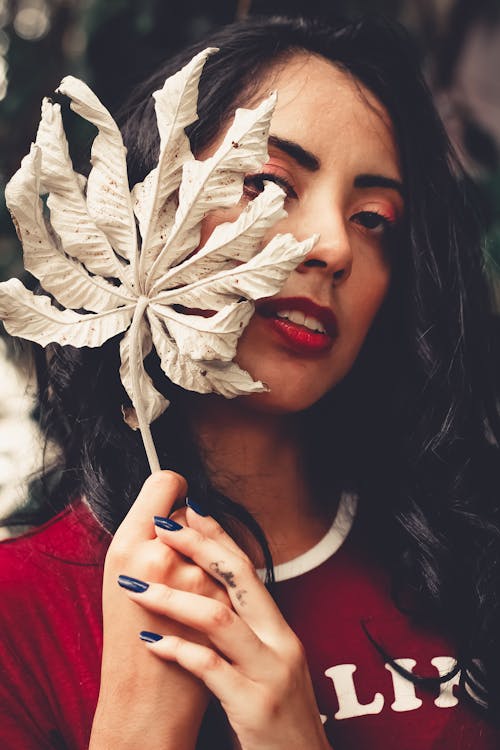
<point x="240" y="595"/>
<point x="226" y="575"/>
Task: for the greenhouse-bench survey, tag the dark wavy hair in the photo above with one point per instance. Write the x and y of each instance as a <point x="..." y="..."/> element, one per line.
<point x="414" y="426"/>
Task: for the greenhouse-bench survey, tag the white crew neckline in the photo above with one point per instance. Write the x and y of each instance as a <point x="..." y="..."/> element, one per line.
<point x="324" y="549"/>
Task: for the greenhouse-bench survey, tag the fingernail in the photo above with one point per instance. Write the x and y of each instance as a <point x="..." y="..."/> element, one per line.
<point x="167" y="523"/>
<point x="132" y="584"/>
<point x="146" y="635"/>
<point x="197" y="508"/>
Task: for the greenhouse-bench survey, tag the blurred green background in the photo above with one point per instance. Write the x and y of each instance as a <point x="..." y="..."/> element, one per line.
<point x="112" y="44"/>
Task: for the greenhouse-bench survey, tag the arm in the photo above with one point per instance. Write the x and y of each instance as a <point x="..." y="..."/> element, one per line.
<point x="254" y="664"/>
<point x="144" y="701"/>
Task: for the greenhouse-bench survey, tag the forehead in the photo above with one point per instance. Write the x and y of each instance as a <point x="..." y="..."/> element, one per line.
<point x="325" y="109"/>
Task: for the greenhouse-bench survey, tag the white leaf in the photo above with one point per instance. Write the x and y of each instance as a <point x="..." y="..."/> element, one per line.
<point x="191" y="307"/>
<point x="108" y="197"/>
<point x="262" y="276"/>
<point x="232" y="243"/>
<point x="206" y="338"/>
<point x="69" y="216"/>
<point x="34" y="318"/>
<point x="164" y="219"/>
<point x="176" y="102"/>
<point x="154" y="403"/>
<point x="67" y="280"/>
<point x="224" y="378"/>
<point x="175" y="106"/>
<point x="214" y="183"/>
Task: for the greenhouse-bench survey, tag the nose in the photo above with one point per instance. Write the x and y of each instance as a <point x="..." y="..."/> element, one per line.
<point x="332" y="253"/>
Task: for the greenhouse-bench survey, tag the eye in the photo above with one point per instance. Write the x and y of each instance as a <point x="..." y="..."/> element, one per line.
<point x="373" y="221"/>
<point x="253" y="184"/>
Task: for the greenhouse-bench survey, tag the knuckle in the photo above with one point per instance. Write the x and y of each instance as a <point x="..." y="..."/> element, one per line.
<point x="166" y="481"/>
<point x="152" y="564"/>
<point x="162" y="595"/>
<point x="244" y="568"/>
<point x="119" y="552"/>
<point x="179" y="515"/>
<point x="189" y="577"/>
<point x="150" y="561"/>
<point x="197" y="579"/>
<point x="156" y="481"/>
<point x="176" y="645"/>
<point x="288" y="673"/>
<point x="209" y="660"/>
<point x="213" y="528"/>
<point x="296" y="654"/>
<point x="289" y="677"/>
<point x="221" y="595"/>
<point x="267" y="705"/>
<point x="285" y="676"/>
<point x="221" y="616"/>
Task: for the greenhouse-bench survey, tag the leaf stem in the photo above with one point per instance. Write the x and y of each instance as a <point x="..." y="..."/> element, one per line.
<point x="138" y="401"/>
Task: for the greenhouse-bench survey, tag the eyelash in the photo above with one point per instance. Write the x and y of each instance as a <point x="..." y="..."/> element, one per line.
<point x="257" y="181"/>
<point x="384" y="223"/>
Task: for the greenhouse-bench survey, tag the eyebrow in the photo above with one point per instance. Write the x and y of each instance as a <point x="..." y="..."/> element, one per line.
<point x="311" y="162"/>
<point x="300" y="155"/>
<point x="378" y="180"/>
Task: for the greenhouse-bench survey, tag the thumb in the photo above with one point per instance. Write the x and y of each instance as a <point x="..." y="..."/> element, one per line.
<point x="158" y="495"/>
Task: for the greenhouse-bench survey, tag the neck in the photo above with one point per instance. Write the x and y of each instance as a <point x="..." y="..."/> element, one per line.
<point x="257" y="460"/>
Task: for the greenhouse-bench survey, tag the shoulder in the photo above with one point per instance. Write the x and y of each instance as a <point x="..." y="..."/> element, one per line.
<point x="51" y="584"/>
<point x="71" y="540"/>
<point x="50" y="628"/>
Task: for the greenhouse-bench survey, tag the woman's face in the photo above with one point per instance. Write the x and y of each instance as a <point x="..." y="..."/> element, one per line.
<point x="332" y="149"/>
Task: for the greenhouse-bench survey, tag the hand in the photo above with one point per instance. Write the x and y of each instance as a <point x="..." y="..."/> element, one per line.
<point x="254" y="663"/>
<point x="144" y="702"/>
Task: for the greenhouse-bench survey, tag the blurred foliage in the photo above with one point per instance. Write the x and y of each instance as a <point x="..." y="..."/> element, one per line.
<point x="113" y="44"/>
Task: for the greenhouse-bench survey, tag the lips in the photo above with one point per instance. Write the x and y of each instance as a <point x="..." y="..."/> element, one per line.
<point x="307" y="328"/>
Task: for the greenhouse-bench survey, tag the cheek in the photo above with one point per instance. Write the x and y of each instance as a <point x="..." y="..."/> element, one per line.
<point x="381" y="284"/>
<point x="379" y="290"/>
<point x="369" y="298"/>
<point x="213" y="219"/>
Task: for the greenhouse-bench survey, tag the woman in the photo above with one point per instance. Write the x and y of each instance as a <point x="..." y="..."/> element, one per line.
<point x="371" y="463"/>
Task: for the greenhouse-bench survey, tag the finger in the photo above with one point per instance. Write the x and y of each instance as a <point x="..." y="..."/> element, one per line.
<point x="179" y="515"/>
<point x="248" y="594"/>
<point x="225" y="629"/>
<point x="222" y="679"/>
<point x="157" y="496"/>
<point x="208" y="526"/>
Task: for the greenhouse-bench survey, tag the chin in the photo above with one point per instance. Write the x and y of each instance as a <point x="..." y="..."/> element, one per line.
<point x="281" y="398"/>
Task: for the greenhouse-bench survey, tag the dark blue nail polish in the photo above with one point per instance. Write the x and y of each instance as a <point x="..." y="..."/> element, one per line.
<point x="132" y="584"/>
<point x="197" y="508"/>
<point x="149" y="637"/>
<point x="167" y="523"/>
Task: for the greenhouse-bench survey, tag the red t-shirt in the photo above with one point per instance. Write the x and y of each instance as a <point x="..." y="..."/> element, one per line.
<point x="51" y="632"/>
<point x="331" y="596"/>
<point x="51" y="645"/>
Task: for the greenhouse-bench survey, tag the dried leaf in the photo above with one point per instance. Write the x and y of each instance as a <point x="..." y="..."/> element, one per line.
<point x="232" y="243"/>
<point x="130" y="417"/>
<point x="262" y="276"/>
<point x="191" y="307"/>
<point x="34" y="317"/>
<point x="67" y="280"/>
<point x="69" y="215"/>
<point x="154" y="403"/>
<point x="205" y="338"/>
<point x="216" y="182"/>
<point x="228" y="380"/>
<point x="175" y="106"/>
<point x="108" y="198"/>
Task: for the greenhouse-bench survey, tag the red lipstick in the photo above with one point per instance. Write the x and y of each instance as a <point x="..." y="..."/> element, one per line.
<point x="311" y="333"/>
